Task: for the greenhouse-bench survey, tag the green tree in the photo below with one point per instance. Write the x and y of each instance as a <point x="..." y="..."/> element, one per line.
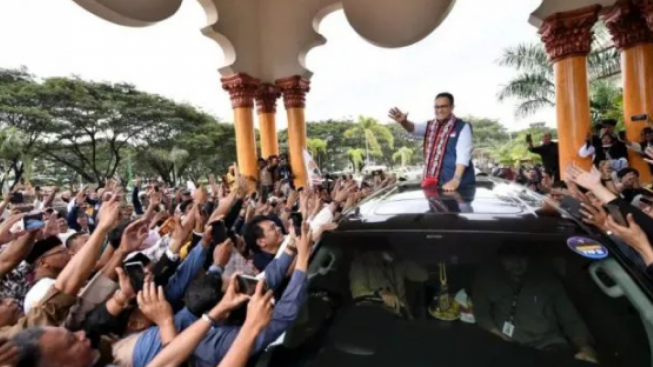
<point x="606" y="101"/>
<point x="534" y="85"/>
<point x="486" y="131"/>
<point x="21" y="110"/>
<point x="516" y="149"/>
<point x="404" y="155"/>
<point x="357" y="158"/>
<point x="369" y="132"/>
<point x="80" y="128"/>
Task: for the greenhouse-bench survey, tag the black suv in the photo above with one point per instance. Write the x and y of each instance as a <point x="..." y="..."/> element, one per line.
<point x="482" y="277"/>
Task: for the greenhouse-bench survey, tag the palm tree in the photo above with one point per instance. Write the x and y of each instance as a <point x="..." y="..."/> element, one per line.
<point x="356" y="157"/>
<point x="534" y="86"/>
<point x="369" y="130"/>
<point x="404" y="154"/>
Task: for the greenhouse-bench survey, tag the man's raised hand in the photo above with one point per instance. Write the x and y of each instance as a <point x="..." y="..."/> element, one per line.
<point x="222" y="253"/>
<point x="259" y="309"/>
<point x="231" y="298"/>
<point x="134" y="235"/>
<point x="397" y="115"/>
<point x="109" y="212"/>
<point x="152" y="302"/>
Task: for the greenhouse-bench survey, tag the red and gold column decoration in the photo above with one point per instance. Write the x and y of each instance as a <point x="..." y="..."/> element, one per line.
<point x="242" y="89"/>
<point x="266" y="103"/>
<point x="631" y="34"/>
<point x="567" y="37"/>
<point x="294" y="91"/>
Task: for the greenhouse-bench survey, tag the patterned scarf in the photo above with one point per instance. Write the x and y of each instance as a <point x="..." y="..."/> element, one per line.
<point x="435" y="145"/>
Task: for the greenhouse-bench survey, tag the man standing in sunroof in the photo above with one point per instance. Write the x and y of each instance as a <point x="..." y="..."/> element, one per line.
<point x="448" y="145"/>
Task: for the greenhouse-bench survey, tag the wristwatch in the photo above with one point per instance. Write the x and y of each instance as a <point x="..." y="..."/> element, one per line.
<point x="209" y="319"/>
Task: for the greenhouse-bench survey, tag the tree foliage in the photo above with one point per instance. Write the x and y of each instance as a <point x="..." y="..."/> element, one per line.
<point x="90" y="129"/>
<point x="534" y="87"/>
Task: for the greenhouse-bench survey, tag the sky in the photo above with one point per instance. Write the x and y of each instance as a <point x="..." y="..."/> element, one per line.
<point x="351" y="77"/>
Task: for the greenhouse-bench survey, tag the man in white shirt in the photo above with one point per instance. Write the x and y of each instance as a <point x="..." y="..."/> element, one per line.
<point x="448" y="145"/>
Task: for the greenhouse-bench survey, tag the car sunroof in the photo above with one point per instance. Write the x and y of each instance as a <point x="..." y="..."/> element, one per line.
<point x="483" y="201"/>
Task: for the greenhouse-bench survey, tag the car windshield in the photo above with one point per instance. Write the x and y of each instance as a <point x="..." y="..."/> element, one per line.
<point x="464" y="299"/>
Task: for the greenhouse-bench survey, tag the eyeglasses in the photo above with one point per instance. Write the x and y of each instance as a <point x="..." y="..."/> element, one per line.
<point x="441" y="106"/>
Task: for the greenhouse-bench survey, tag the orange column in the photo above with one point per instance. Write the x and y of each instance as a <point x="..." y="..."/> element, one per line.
<point x="242" y="88"/>
<point x="632" y="36"/>
<point x="294" y="91"/>
<point x="567" y="37"/>
<point x="266" y="102"/>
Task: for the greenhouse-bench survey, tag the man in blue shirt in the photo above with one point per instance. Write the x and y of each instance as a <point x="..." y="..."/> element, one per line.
<point x="209" y="293"/>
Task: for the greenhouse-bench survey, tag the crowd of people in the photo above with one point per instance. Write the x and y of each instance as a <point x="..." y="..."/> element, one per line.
<point x="160" y="276"/>
<point x="612" y="183"/>
<point x="211" y="274"/>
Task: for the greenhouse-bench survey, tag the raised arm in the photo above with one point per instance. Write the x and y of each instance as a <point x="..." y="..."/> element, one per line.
<point x="259" y="315"/>
<point x="132" y="238"/>
<point x="402" y="119"/>
<point x="17" y="250"/>
<point x="48" y="201"/>
<point x="185" y="343"/>
<point x="79" y="268"/>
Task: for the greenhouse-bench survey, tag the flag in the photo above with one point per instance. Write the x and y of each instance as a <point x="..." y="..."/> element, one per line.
<point x="313" y="171"/>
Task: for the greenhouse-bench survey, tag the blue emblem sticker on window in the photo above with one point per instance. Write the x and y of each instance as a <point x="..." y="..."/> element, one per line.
<point x="587" y="247"/>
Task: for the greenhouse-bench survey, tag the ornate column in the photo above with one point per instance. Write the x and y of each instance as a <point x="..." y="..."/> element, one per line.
<point x="632" y="36"/>
<point x="266" y="103"/>
<point x="567" y="37"/>
<point x="294" y="91"/>
<point x="242" y="88"/>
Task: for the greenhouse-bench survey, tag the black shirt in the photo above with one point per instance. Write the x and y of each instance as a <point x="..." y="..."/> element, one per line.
<point x="549" y="154"/>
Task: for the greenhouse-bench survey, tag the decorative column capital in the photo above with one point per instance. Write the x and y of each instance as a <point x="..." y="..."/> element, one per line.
<point x="646" y="8"/>
<point x="242" y="89"/>
<point x="294" y="91"/>
<point x="570" y="33"/>
<point x="266" y="98"/>
<point x="626" y="24"/>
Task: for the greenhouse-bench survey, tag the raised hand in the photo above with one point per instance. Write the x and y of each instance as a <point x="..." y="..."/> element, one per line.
<point x="200" y="196"/>
<point x="292" y="198"/>
<point x="51" y="226"/>
<point x="5" y="229"/>
<point x="328" y="227"/>
<point x="231" y="298"/>
<point x="304" y="243"/>
<point x="259" y="309"/>
<point x="109" y="212"/>
<point x="633" y="235"/>
<point x="594" y="214"/>
<point x="397" y="115"/>
<point x="222" y="253"/>
<point x="134" y="235"/>
<point x="80" y="198"/>
<point x="152" y="302"/>
<point x="126" y="289"/>
<point x="583" y="178"/>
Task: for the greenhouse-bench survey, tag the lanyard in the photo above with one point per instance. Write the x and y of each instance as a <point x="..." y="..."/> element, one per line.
<point x="513" y="308"/>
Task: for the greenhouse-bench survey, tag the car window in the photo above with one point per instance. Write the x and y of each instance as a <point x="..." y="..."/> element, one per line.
<point x="463" y="299"/>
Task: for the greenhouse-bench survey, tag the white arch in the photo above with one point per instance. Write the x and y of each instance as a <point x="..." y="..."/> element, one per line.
<point x="132" y="13"/>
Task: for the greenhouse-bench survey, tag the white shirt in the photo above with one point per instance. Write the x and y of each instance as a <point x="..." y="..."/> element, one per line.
<point x="37" y="292"/>
<point x="464" y="145"/>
